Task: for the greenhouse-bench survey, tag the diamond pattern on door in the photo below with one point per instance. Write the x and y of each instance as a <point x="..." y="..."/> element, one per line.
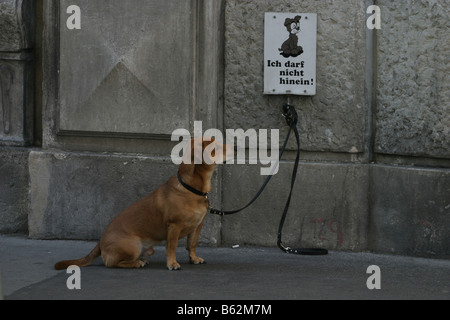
<point x="128" y="69"/>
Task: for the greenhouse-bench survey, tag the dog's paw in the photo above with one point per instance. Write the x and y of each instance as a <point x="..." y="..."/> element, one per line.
<point x="173" y="266"/>
<point x="196" y="260"/>
<point x="143" y="262"/>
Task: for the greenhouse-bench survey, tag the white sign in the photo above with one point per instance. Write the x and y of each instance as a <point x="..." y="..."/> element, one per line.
<point x="290" y="53"/>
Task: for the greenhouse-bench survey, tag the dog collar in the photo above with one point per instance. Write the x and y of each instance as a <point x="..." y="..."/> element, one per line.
<point x="191" y="189"/>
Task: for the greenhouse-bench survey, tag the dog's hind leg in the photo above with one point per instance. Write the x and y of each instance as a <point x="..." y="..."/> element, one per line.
<point x="132" y="264"/>
<point x="146" y="253"/>
<point x="123" y="254"/>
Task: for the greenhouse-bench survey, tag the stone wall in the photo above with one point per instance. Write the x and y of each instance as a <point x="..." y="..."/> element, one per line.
<point x="413" y="100"/>
<point x="16" y="73"/>
<point x="16" y="111"/>
<point x="329" y="207"/>
<point x="331" y="121"/>
<point x="382" y="97"/>
<point x="375" y="159"/>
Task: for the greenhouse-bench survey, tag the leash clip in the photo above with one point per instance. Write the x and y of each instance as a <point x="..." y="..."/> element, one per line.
<point x="283" y="248"/>
<point x="217" y="212"/>
<point x="290" y="115"/>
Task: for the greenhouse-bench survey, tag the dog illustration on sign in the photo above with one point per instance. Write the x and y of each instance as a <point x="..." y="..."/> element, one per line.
<point x="290" y="47"/>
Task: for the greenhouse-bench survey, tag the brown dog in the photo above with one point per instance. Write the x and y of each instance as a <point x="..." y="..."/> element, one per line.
<point x="169" y="213"/>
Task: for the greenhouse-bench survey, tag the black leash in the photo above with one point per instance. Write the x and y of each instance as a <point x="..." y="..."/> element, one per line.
<point x="291" y="117"/>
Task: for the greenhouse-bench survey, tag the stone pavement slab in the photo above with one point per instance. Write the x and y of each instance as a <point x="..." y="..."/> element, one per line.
<point x="230" y="274"/>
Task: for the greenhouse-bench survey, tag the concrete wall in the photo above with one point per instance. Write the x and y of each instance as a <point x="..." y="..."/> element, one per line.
<point x="410" y="211"/>
<point x="382" y="97"/>
<point x="333" y="120"/>
<point x="16" y="77"/>
<point x="410" y="205"/>
<point x="374" y="171"/>
<point x="16" y="111"/>
<point x="14" y="189"/>
<point x="413" y="101"/>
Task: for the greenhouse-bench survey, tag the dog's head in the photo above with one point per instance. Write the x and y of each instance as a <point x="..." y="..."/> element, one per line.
<point x="207" y="151"/>
<point x="293" y="25"/>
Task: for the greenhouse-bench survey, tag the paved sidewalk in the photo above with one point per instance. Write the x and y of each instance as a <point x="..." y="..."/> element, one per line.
<point x="244" y="273"/>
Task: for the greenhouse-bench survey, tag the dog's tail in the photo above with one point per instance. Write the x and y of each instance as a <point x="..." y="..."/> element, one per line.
<point x="83" y="262"/>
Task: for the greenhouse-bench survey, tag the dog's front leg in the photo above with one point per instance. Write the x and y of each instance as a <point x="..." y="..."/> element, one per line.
<point x="173" y="233"/>
<point x="192" y="241"/>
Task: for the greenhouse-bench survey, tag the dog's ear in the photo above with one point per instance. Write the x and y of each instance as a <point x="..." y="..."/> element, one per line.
<point x="287" y="22"/>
